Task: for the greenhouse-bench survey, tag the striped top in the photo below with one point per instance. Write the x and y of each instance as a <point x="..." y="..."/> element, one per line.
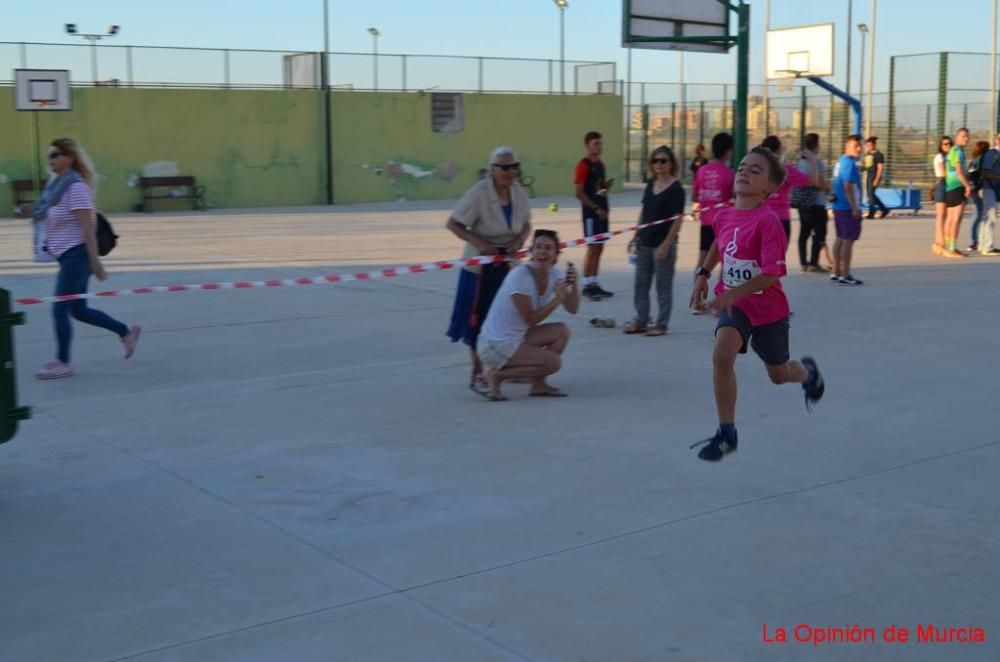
<point x="63" y="230"/>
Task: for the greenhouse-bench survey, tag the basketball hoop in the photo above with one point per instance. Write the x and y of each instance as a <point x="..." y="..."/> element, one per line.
<point x="42" y="105"/>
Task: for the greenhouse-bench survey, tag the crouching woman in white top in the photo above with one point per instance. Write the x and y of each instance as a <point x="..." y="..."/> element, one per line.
<point x="515" y="342"/>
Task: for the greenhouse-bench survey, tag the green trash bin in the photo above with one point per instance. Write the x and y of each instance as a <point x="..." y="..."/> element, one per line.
<point x="10" y="413"/>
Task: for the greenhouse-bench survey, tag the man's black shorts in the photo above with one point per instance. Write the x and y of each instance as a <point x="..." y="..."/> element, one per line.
<point x="769" y="341"/>
<point x="954" y="197"/>
<point x="707" y="238"/>
<point x="593" y="225"/>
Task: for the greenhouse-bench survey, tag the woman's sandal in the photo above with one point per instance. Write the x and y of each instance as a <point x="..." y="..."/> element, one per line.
<point x="633" y="328"/>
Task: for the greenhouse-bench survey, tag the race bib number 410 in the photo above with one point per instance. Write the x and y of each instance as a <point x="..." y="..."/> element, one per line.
<point x="736" y="272"/>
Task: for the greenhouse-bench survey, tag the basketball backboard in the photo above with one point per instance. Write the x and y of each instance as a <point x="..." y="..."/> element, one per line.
<point x="42" y="89"/>
<point x="800" y="52"/>
<point x="671" y="25"/>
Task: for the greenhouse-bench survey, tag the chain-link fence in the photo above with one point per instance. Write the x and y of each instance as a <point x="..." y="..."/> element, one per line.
<point x="930" y="95"/>
<point x="933" y="95"/>
<point x="686" y="115"/>
<point x="146" y="66"/>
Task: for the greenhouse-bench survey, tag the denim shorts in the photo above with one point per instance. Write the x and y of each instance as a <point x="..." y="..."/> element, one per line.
<point x="939" y="191"/>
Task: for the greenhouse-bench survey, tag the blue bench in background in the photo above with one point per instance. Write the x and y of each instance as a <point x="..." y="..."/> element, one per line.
<point x="898" y="199"/>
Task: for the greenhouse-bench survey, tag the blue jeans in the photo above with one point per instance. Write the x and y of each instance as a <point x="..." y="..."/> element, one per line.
<point x="74" y="272"/>
<point x="977" y="200"/>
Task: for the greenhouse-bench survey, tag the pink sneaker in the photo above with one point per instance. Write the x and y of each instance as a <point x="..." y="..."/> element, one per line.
<point x="55" y="370"/>
<point x="130" y="340"/>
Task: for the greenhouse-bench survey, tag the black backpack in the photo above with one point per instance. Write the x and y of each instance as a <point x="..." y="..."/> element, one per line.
<point x="106" y="237"/>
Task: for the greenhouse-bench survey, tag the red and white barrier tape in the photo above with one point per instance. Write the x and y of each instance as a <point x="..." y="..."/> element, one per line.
<point x="390" y="272"/>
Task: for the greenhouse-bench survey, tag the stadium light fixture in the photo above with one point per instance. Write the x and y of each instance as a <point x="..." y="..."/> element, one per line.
<point x="93" y="39"/>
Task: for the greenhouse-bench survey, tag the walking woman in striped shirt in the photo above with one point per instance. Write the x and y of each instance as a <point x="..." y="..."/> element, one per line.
<point x="70" y="216"/>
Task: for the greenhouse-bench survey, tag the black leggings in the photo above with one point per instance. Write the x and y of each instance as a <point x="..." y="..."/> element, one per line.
<point x="813" y="223"/>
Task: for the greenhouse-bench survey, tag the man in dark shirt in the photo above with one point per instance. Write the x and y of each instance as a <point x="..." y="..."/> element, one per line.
<point x="874" y="170"/>
<point x="592" y="191"/>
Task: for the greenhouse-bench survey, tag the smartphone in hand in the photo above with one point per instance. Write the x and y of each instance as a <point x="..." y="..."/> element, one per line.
<point x="570" y="274"/>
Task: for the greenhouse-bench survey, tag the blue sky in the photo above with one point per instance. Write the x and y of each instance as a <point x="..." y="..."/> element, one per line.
<point x="512" y="28"/>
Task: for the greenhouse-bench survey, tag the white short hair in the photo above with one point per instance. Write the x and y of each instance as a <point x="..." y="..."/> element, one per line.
<point x="501" y="151"/>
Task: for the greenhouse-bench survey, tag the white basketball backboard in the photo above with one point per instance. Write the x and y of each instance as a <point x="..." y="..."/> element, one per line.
<point x="664" y="24"/>
<point x="42" y="89"/>
<point x="800" y="52"/>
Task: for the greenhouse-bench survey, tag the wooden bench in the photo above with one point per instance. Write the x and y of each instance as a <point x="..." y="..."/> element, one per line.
<point x="24" y="191"/>
<point x="193" y="191"/>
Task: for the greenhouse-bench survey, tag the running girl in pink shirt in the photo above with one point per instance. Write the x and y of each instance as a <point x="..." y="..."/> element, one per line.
<point x="713" y="185"/>
<point x="749" y="302"/>
<point x="778" y="201"/>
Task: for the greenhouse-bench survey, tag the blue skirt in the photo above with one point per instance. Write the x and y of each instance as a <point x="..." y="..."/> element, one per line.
<point x="472" y="301"/>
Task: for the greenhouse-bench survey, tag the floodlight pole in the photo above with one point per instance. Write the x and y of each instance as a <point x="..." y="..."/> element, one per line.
<point x="324" y="67"/>
<point x="742" y="81"/>
<point x="562" y="4"/>
<point x="850" y="22"/>
<point x="375" y="35"/>
<point x="863" y="29"/>
<point x="767" y="83"/>
<point x="871" y="69"/>
<point x="993" y="75"/>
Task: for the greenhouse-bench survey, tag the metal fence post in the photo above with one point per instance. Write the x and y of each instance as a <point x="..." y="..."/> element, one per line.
<point x="673" y="126"/>
<point x="829" y="131"/>
<point x="891" y="130"/>
<point x="701" y="122"/>
<point x="927" y="131"/>
<point x="404" y="73"/>
<point x="10" y="413"/>
<point x="965" y="114"/>
<point x="480" y="74"/>
<point x="942" y="91"/>
<point x="128" y="66"/>
<point x="803" y="110"/>
<point x="645" y="139"/>
<point x="684" y="130"/>
<point x="24" y="55"/>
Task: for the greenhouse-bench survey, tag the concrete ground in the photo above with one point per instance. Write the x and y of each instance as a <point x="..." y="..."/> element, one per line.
<point x="302" y="474"/>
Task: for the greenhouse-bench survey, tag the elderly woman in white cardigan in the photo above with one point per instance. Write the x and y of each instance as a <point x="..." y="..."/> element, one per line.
<point x="492" y="218"/>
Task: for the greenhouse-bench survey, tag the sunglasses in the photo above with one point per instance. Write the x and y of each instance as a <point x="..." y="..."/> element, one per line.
<point x="660" y="161"/>
<point x="507" y="167"/>
<point x="53" y="155"/>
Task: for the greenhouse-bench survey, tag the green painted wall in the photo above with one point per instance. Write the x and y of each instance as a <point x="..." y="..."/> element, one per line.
<point x="253" y="148"/>
<point x="249" y="148"/>
<point x="372" y="132"/>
